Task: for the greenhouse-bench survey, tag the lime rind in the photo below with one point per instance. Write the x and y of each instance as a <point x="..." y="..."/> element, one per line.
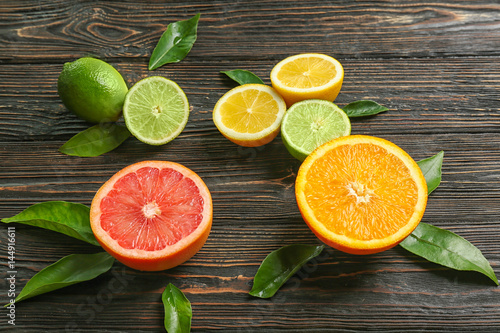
<point x="156" y="110"/>
<point x="92" y="89"/>
<point x="309" y="124"/>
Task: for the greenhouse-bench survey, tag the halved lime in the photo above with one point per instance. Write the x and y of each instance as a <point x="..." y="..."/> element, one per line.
<point x="310" y="123"/>
<point x="156" y="110"/>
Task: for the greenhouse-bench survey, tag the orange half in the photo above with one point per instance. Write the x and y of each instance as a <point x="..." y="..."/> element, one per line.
<point x="361" y="194"/>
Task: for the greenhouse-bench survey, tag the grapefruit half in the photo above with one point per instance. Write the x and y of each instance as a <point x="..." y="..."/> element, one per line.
<point x="152" y="215"/>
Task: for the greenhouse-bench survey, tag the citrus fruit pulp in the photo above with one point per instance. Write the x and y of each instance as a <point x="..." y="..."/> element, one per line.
<point x="152" y="215"/>
<point x="310" y="123"/>
<point x="361" y="194"/>
<point x="249" y="115"/>
<point x="156" y="110"/>
<point x="307" y="76"/>
<point x="92" y="89"/>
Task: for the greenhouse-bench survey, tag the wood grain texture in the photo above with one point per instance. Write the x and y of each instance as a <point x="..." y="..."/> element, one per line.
<point x="424" y="95"/>
<point x="130" y="29"/>
<point x="435" y="65"/>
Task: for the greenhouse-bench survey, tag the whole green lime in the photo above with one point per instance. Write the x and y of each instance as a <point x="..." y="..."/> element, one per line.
<point x="92" y="89"/>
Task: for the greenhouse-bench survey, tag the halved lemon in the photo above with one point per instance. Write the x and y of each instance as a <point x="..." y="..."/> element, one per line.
<point x="308" y="76"/>
<point x="250" y="115"/>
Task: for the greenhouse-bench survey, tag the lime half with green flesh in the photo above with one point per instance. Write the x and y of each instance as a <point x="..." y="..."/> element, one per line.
<point x="310" y="123"/>
<point x="92" y="89"/>
<point x="156" y="110"/>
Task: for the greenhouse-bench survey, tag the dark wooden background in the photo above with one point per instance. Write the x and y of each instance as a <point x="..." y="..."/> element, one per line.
<point x="436" y="65"/>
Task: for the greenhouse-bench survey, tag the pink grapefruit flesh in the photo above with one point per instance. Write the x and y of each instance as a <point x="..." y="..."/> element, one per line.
<point x="152" y="215"/>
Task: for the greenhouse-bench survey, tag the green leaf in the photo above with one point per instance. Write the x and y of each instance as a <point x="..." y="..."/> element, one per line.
<point x="448" y="249"/>
<point x="363" y="108"/>
<point x="243" y="77"/>
<point x="175" y="43"/>
<point x="178" y="311"/>
<point x="68" y="218"/>
<point x="431" y="168"/>
<point x="96" y="140"/>
<point x="279" y="266"/>
<point x="69" y="270"/>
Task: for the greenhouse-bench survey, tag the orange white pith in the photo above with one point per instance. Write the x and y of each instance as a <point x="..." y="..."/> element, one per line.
<point x="152" y="215"/>
<point x="361" y="194"/>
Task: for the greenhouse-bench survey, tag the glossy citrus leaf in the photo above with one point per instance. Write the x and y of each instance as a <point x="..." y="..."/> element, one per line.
<point x="68" y="218"/>
<point x="431" y="168"/>
<point x="243" y="77"/>
<point x="448" y="249"/>
<point x="279" y="266"/>
<point x="363" y="108"/>
<point x="178" y="311"/>
<point x="96" y="140"/>
<point x="69" y="270"/>
<point x="175" y="43"/>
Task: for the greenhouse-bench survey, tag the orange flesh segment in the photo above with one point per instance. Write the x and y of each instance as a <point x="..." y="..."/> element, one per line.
<point x="363" y="193"/>
<point x="151" y="208"/>
<point x="307" y="73"/>
<point x="250" y="111"/>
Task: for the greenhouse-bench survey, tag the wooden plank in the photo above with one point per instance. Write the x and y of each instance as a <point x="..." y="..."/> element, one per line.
<point x="35" y="171"/>
<point x="434" y="64"/>
<point x="50" y="31"/>
<point x="424" y="96"/>
<point x="388" y="290"/>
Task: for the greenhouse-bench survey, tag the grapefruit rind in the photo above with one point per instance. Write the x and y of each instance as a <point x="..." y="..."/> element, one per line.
<point x="347" y="244"/>
<point x="170" y="256"/>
